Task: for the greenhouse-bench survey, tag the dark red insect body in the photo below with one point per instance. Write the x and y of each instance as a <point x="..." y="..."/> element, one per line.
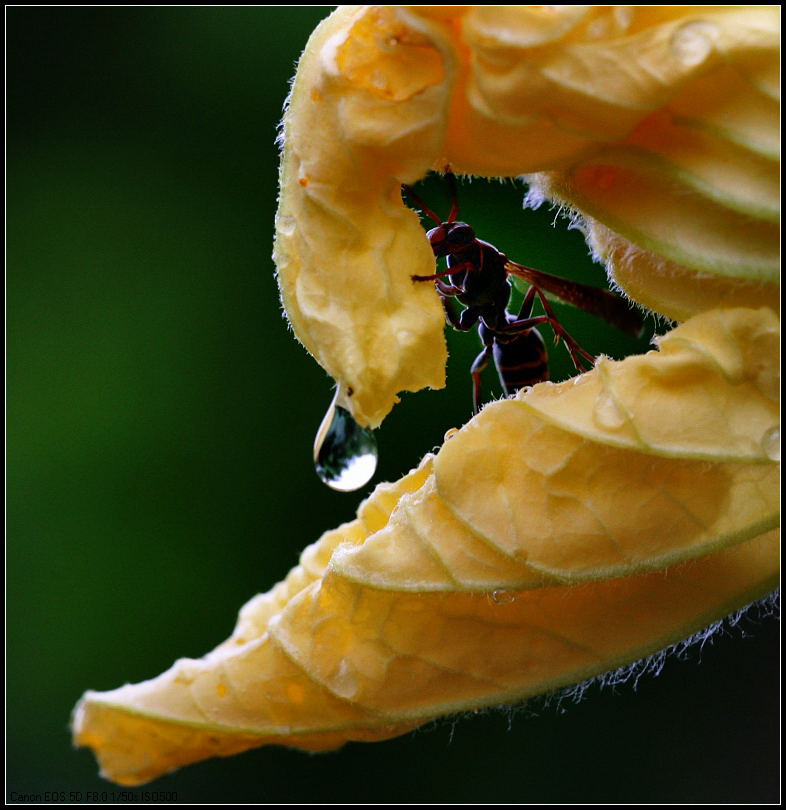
<point x="477" y="277"/>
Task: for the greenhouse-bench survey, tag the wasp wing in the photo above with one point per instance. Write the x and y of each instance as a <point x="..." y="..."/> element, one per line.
<point x="612" y="308"/>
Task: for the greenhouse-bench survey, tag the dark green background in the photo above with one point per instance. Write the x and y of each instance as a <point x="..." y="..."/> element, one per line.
<point x="160" y="421"/>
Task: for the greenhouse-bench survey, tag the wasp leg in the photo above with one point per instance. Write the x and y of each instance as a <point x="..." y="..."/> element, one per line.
<point x="481" y="361"/>
<point x="526" y="304"/>
<point x="448" y="290"/>
<point x="454" y="317"/>
<point x="559" y="332"/>
<point x="461" y="321"/>
<point x="518" y="325"/>
<point x="456" y="268"/>
<point x="575" y="351"/>
<point x="434" y="276"/>
<point x="549" y="311"/>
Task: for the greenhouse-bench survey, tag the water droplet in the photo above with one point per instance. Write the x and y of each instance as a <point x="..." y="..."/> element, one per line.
<point x="286" y="226"/>
<point x="450" y="433"/>
<point x="771" y="443"/>
<point x="607" y="413"/>
<point x="623" y="17"/>
<point x="501" y="597"/>
<point x="345" y="680"/>
<point x="693" y="42"/>
<point x="345" y="454"/>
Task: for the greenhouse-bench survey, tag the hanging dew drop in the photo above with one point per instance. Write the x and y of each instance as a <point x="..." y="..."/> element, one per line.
<point x="345" y="454"/>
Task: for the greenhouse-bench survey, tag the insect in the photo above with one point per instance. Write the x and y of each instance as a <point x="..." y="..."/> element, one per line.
<point x="477" y="276"/>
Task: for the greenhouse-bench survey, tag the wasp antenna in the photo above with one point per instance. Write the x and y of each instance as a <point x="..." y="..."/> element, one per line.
<point x="454" y="204"/>
<point x="420" y="204"/>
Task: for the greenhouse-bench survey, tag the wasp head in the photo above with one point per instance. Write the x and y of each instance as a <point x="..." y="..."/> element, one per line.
<point x="450" y="238"/>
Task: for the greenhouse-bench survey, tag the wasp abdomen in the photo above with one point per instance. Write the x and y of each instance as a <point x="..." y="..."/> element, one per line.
<point x="521" y="362"/>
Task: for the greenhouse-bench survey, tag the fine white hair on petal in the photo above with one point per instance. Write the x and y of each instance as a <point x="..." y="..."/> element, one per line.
<point x="281" y="126"/>
<point x="652" y="665"/>
<point x="535" y="196"/>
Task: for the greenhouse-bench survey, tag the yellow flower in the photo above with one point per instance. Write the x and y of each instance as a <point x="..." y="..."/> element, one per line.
<point x="660" y="125"/>
<point x="609" y="516"/>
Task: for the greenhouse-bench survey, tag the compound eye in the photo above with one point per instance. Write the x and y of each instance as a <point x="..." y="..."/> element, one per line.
<point x="436" y="235"/>
<point x="460" y="234"/>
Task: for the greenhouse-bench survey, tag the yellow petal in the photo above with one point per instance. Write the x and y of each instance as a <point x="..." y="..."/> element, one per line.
<point x="570" y="553"/>
<point x="362" y="113"/>
<point x="574" y="509"/>
<point x="415" y="656"/>
<point x="670" y="288"/>
<point x="343" y="662"/>
<point x="716" y="377"/>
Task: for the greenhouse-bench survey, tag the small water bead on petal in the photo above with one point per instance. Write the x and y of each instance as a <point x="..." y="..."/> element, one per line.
<point x="286" y="225"/>
<point x="607" y="413"/>
<point x="771" y="443"/>
<point x="502" y="597"/>
<point x="345" y="681"/>
<point x="345" y="454"/>
<point x="623" y="17"/>
<point x="693" y="42"/>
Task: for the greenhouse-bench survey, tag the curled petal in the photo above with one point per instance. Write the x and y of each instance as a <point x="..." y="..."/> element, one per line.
<point x="576" y="550"/>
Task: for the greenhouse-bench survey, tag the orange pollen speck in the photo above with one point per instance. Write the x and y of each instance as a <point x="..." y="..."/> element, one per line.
<point x="303" y="181"/>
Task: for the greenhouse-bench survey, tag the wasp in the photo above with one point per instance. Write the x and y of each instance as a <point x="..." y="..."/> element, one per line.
<point x="477" y="276"/>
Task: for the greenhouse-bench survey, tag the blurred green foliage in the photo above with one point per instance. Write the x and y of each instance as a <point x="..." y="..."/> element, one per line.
<point x="161" y="416"/>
